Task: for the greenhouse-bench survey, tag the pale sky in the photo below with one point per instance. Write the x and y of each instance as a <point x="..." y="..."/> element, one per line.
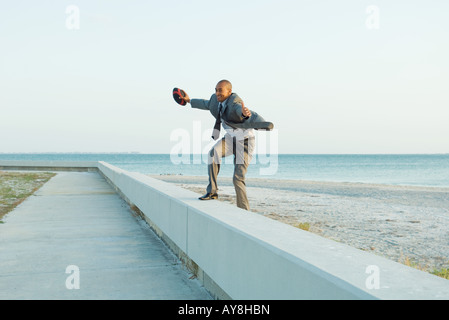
<point x="333" y="76"/>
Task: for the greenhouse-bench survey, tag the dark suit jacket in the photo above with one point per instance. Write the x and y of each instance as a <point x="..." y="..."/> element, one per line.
<point x="232" y="116"/>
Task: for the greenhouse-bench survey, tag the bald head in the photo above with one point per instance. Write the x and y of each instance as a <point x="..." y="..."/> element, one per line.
<point x="223" y="90"/>
<point x="226" y="83"/>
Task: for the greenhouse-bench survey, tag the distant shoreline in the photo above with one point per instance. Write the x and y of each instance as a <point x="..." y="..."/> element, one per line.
<point x="199" y="154"/>
<point x="391" y="169"/>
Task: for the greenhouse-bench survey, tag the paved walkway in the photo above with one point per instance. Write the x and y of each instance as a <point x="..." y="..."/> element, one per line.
<point x="77" y="224"/>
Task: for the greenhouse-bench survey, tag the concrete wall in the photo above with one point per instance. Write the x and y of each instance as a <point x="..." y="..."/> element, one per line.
<point x="249" y="256"/>
<point x="242" y="255"/>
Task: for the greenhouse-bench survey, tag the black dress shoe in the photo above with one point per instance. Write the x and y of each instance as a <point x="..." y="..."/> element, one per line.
<point x="209" y="196"/>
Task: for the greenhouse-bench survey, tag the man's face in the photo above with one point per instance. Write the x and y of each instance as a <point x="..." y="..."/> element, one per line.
<point x="222" y="91"/>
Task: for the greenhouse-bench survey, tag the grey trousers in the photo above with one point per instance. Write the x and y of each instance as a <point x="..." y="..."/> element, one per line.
<point x="242" y="151"/>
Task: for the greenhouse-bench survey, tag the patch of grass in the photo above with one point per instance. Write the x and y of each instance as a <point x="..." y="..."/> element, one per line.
<point x="303" y="226"/>
<point x="15" y="187"/>
<point x="443" y="273"/>
<point x="410" y="263"/>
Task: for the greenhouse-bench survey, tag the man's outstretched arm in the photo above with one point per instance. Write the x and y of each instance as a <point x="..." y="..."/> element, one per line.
<point x="197" y="103"/>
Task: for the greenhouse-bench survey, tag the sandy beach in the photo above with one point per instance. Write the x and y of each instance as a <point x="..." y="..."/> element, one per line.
<point x="403" y="223"/>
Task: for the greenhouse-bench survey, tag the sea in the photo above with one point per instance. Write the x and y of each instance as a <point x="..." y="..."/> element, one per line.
<point x="394" y="169"/>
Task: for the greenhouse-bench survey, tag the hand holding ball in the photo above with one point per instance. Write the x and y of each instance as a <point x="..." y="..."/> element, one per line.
<point x="180" y="96"/>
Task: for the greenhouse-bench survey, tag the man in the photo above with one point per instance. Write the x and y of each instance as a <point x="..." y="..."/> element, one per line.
<point x="238" y="121"/>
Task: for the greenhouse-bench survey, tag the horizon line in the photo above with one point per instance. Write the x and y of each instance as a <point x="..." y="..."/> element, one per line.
<point x="199" y="154"/>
